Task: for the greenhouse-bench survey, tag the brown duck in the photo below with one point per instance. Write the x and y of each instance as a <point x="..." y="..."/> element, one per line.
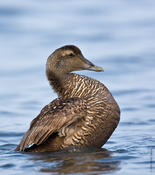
<point x="84" y="114"/>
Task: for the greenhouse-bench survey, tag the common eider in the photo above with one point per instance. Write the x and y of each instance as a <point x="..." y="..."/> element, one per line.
<point x="85" y="113"/>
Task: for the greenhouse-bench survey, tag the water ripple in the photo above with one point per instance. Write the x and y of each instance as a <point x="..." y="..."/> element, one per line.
<point x="10" y="134"/>
<point x="9" y="165"/>
<point x="116" y="35"/>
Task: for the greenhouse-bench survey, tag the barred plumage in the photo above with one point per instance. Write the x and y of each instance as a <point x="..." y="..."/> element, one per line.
<point x="84" y="114"/>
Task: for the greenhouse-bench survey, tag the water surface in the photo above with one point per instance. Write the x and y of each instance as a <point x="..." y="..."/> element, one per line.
<point x="117" y="35"/>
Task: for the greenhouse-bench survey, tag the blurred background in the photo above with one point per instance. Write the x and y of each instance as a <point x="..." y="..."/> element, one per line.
<point x="117" y="35"/>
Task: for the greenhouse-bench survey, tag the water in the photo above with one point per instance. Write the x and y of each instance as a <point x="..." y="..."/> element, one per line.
<point x="117" y="35"/>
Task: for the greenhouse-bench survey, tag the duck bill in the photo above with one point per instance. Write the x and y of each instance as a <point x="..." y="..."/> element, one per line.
<point x="96" y="68"/>
<point x="90" y="66"/>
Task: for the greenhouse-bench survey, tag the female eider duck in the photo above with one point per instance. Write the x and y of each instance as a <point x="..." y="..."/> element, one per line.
<point x="85" y="113"/>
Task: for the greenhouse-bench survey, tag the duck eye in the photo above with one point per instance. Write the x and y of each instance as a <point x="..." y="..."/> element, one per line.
<point x="71" y="55"/>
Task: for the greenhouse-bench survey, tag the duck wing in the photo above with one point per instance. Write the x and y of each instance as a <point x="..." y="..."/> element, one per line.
<point x="52" y="118"/>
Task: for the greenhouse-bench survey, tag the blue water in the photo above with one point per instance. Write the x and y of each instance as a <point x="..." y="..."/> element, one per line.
<point x="117" y="35"/>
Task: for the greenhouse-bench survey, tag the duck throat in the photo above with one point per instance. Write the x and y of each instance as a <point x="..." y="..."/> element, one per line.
<point x="56" y="81"/>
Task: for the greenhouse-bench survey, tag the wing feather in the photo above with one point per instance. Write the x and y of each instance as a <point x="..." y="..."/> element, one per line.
<point x="53" y="117"/>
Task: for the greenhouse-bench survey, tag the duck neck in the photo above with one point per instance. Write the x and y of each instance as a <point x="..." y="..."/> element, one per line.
<point x="56" y="81"/>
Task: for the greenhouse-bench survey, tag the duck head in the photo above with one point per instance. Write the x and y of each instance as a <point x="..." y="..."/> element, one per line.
<point x="67" y="59"/>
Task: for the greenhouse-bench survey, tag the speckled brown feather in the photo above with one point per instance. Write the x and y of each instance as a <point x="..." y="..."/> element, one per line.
<point x="53" y="118"/>
<point x="84" y="114"/>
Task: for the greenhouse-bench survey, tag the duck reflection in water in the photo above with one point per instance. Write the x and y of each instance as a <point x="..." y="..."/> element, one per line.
<point x="94" y="161"/>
